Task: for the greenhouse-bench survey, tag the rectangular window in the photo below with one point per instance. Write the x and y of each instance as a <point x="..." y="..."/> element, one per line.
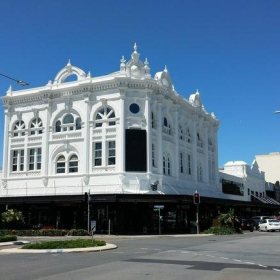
<point x="248" y="191"/>
<point x="18" y="160"/>
<point x="39" y="158"/>
<point x="189" y="165"/>
<point x="31" y="159"/>
<point x="181" y="163"/>
<point x="153" y="156"/>
<point x="98" y="154"/>
<point x="111" y="153"/>
<point x="21" y="160"/>
<point x="60" y="167"/>
<point x="35" y="158"/>
<point x="15" y="160"/>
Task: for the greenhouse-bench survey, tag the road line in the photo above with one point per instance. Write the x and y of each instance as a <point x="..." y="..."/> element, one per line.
<point x="276" y="269"/>
<point x="159" y="250"/>
<point x="262" y="265"/>
<point x="185" y="252"/>
<point x="144" y="248"/>
<point x="224" y="258"/>
<point x="249" y="263"/>
<point x="237" y="260"/>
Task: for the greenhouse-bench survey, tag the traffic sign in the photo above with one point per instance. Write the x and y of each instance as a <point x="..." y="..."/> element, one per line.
<point x="158" y="206"/>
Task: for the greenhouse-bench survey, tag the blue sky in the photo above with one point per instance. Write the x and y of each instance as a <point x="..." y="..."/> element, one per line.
<point x="229" y="50"/>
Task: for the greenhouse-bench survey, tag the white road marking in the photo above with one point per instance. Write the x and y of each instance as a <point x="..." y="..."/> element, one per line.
<point x="276" y="269"/>
<point x="144" y="248"/>
<point x="160" y="250"/>
<point x="224" y="258"/>
<point x="249" y="263"/>
<point x="262" y="265"/>
<point x="185" y="252"/>
<point x="237" y="260"/>
<point x="210" y="256"/>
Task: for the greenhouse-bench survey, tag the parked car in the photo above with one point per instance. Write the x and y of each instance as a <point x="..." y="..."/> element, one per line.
<point x="247" y="224"/>
<point x="269" y="224"/>
<point x="258" y="219"/>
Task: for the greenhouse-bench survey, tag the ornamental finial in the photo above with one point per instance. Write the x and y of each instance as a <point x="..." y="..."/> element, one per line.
<point x="135" y="47"/>
<point x="165" y="68"/>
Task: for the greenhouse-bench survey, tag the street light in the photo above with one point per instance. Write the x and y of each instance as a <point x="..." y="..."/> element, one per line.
<point x="19" y="82"/>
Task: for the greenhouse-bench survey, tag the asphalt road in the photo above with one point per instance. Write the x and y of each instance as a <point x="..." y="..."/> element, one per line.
<point x="248" y="256"/>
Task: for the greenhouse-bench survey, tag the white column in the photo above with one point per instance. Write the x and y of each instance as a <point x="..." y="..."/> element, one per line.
<point x="86" y="137"/>
<point x="176" y="135"/>
<point x="149" y="132"/>
<point x="206" y="156"/>
<point x="159" y="138"/>
<point x="121" y="135"/>
<point x="26" y="159"/>
<point x="216" y="171"/>
<point x="194" y="150"/>
<point x="6" y="149"/>
<point x="45" y="143"/>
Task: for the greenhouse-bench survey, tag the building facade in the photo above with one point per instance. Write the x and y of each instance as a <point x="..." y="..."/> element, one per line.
<point x="127" y="138"/>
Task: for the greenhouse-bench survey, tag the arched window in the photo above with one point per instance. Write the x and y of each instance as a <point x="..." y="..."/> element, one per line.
<point x="166" y="126"/>
<point x="105" y="115"/>
<point x="68" y="122"/>
<point x="60" y="164"/>
<point x="168" y="166"/>
<point x="58" y="126"/>
<point x="68" y="119"/>
<point x="36" y="126"/>
<point x="199" y="140"/>
<point x="78" y="124"/>
<point x="199" y="173"/>
<point x="73" y="164"/>
<point x="153" y="155"/>
<point x="19" y="129"/>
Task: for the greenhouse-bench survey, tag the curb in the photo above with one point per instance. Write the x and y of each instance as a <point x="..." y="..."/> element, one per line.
<point x="108" y="246"/>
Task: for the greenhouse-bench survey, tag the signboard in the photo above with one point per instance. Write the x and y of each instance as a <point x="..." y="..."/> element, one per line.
<point x="158" y="206"/>
<point x="93" y="226"/>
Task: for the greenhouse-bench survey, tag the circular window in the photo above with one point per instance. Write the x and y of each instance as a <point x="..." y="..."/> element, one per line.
<point x="134" y="108"/>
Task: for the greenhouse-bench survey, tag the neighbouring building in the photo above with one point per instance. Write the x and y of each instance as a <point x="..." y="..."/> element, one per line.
<point x="127" y="138"/>
<point x="270" y="164"/>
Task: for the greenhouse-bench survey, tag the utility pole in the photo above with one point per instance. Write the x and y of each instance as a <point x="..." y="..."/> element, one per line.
<point x="88" y="201"/>
<point x="196" y="200"/>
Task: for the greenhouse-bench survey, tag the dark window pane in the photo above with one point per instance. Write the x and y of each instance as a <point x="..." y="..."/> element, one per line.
<point x="112" y="161"/>
<point x="135" y="150"/>
<point x="68" y="119"/>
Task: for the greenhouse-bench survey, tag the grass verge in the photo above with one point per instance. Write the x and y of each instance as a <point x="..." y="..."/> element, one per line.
<point x="77" y="243"/>
<point x="7" y="238"/>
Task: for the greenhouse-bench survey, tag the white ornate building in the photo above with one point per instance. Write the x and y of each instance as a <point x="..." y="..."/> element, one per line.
<point x="69" y="137"/>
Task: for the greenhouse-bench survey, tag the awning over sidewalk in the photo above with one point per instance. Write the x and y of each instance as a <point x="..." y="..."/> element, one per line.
<point x="266" y="200"/>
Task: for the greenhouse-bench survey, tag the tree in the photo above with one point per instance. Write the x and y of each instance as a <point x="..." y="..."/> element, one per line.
<point x="229" y="219"/>
<point x="12" y="216"/>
